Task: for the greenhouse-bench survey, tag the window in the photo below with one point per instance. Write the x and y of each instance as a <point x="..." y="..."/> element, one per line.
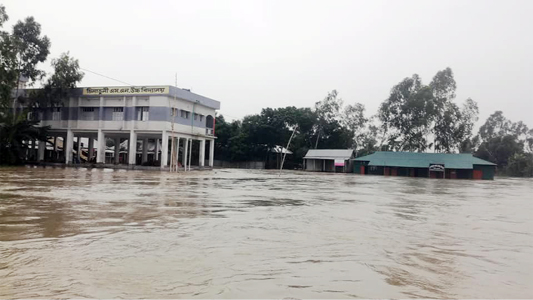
<point x="195" y="117"/>
<point x="174" y="112"/>
<point x="185" y="114"/>
<point x="87" y="113"/>
<point x="56" y="113"/>
<point x="201" y="118"/>
<point x="118" y="113"/>
<point x="142" y="113"/>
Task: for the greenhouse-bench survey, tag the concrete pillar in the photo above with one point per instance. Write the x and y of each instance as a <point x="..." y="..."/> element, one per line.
<point x="132" y="153"/>
<point x="42" y="148"/>
<point x="176" y="158"/>
<point x="78" y="146"/>
<point x="117" y="150"/>
<point x="185" y="152"/>
<point x="164" y="149"/>
<point x="211" y="152"/>
<point x="190" y="154"/>
<point x="54" y="155"/>
<point x="202" y="152"/>
<point x="171" y="159"/>
<point x="157" y="149"/>
<point x="68" y="147"/>
<point x="145" y="151"/>
<point x="91" y="148"/>
<point x="100" y="154"/>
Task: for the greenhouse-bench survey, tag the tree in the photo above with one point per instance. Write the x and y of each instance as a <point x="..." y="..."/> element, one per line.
<point x="414" y="112"/>
<point x="407" y="114"/>
<point x="506" y="144"/>
<point x="8" y="62"/>
<point x="327" y="111"/>
<point x="520" y="165"/>
<point x="499" y="149"/>
<point x="12" y="135"/>
<point x="496" y="125"/>
<point x="31" y="49"/>
<point x="66" y="75"/>
<point x="3" y="15"/>
<point x="21" y="52"/>
<point x="354" y="120"/>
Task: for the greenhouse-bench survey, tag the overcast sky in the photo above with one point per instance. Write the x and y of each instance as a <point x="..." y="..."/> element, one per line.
<point x="255" y="54"/>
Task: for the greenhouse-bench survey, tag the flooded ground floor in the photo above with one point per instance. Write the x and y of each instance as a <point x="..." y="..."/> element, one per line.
<point x="101" y="233"/>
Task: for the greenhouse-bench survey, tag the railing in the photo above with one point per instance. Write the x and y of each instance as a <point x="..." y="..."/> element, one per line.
<point x="209" y="131"/>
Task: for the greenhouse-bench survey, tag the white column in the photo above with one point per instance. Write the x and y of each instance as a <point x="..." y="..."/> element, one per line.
<point x="202" y="152"/>
<point x="132" y="153"/>
<point x="157" y="149"/>
<point x="211" y="152"/>
<point x="100" y="154"/>
<point x="172" y="161"/>
<point x="190" y="154"/>
<point x="117" y="150"/>
<point x="91" y="148"/>
<point x="176" y="159"/>
<point x="164" y="149"/>
<point x="185" y="151"/>
<point x="42" y="148"/>
<point x="68" y="147"/>
<point x="145" y="151"/>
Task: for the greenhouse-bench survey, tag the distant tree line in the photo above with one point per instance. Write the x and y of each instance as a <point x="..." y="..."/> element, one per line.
<point x="415" y="117"/>
<point x="21" y="51"/>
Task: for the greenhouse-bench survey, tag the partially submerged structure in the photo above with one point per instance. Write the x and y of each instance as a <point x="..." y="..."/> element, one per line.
<point x="328" y="160"/>
<point x="168" y="117"/>
<point x="432" y="165"/>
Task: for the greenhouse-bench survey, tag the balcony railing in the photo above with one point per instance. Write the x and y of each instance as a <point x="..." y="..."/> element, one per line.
<point x="209" y="131"/>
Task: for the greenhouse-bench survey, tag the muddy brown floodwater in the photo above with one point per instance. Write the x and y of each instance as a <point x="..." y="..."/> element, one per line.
<point x="252" y="234"/>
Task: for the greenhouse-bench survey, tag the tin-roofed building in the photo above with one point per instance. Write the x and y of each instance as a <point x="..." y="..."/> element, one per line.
<point x="328" y="160"/>
<point x="432" y="165"/>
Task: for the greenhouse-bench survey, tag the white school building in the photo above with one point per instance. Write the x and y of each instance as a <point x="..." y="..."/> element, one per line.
<point x="152" y="123"/>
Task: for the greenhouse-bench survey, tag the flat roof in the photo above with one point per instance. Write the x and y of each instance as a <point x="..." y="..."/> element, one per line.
<point x="423" y="160"/>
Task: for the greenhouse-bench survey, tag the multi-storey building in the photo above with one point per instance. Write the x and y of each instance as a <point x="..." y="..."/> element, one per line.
<point x="169" y="117"/>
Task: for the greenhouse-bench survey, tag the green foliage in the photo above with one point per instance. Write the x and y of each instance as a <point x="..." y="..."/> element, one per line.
<point x="415" y="112"/>
<point x="499" y="149"/>
<point x="520" y="165"/>
<point x="507" y="144"/>
<point x="66" y="75"/>
<point x="3" y="15"/>
<point x="13" y="131"/>
<point x="32" y="48"/>
<point x="20" y="53"/>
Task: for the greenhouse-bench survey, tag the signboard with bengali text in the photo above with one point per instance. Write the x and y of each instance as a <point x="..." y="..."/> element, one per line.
<point x="436" y="168"/>
<point x="125" y="90"/>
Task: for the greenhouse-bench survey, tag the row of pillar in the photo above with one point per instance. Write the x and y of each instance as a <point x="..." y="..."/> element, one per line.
<point x="132" y="149"/>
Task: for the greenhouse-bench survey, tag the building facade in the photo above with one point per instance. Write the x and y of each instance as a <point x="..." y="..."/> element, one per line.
<point x="431" y="165"/>
<point x="328" y="160"/>
<point x="168" y="117"/>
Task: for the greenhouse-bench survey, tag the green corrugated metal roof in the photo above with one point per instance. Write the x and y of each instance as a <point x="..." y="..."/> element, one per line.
<point x="423" y="160"/>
